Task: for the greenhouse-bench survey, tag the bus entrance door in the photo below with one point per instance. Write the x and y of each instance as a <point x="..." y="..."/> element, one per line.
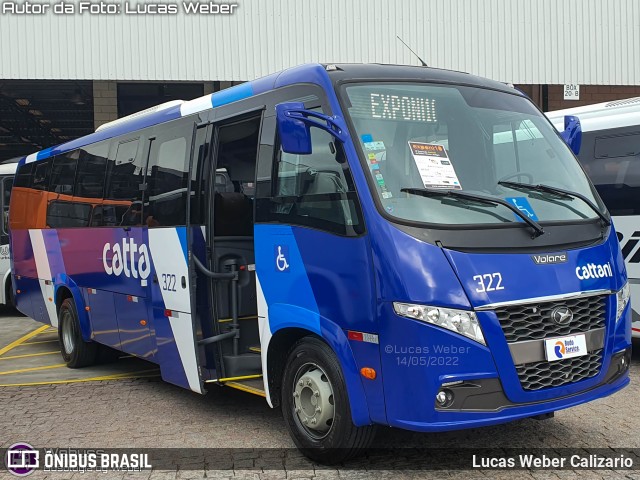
<point x="231" y="260"/>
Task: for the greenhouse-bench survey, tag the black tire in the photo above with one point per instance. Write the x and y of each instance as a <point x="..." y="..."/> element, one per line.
<point x="10" y="296"/>
<point x="75" y="351"/>
<point x="343" y="440"/>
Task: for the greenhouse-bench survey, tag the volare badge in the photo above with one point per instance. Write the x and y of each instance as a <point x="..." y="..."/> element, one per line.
<point x="550" y="258"/>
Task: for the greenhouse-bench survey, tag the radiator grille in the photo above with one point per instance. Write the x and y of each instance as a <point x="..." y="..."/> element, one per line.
<point x="533" y="321"/>
<point x="539" y="375"/>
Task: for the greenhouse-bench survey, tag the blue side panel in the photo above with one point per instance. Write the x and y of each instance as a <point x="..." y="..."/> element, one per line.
<point x="305" y="289"/>
<point x="134" y="337"/>
<point x="104" y="323"/>
<point x="407" y="269"/>
<point x="285" y="285"/>
<point x="38" y="305"/>
<point x="29" y="293"/>
<point x="167" y="355"/>
<point x="264" y="84"/>
<point x="232" y="94"/>
<point x="313" y="73"/>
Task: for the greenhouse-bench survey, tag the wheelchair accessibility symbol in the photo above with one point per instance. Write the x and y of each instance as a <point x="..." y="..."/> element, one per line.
<point x="282" y="252"/>
<point x="522" y="204"/>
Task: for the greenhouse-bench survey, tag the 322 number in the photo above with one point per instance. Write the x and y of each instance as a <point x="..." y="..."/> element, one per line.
<point x="169" y="282"/>
<point x="489" y="282"/>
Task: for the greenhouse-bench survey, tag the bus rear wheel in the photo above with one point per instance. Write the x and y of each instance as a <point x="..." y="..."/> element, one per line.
<point x="315" y="405"/>
<point x="75" y="351"/>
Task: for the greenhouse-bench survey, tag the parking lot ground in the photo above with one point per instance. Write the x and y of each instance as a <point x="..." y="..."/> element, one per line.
<point x="34" y="358"/>
<point x="122" y="405"/>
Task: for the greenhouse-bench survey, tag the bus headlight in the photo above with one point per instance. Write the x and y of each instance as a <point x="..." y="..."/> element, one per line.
<point x="622" y="299"/>
<point x="459" y="321"/>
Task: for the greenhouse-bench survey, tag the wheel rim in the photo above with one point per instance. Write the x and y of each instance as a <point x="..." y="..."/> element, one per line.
<point x="313" y="400"/>
<point x="67" y="335"/>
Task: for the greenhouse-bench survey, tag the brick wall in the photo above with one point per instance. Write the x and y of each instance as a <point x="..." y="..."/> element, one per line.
<point x="105" y="102"/>
<point x="590" y="94"/>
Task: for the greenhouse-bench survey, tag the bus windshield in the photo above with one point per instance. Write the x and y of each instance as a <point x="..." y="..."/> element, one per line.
<point x="475" y="140"/>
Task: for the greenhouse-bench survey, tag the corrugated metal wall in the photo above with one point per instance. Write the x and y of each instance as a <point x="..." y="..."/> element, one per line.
<point x="521" y="41"/>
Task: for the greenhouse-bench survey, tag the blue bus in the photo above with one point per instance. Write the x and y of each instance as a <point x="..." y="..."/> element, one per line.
<point x="362" y="245"/>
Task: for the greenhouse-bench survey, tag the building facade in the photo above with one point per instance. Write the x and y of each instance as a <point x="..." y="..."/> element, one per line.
<point x="63" y="73"/>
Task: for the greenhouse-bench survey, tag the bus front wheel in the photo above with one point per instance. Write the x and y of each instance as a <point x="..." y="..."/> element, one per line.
<point x="316" y="407"/>
<point x="75" y="351"/>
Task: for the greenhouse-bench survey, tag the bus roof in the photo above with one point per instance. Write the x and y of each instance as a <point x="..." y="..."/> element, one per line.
<point x="601" y="116"/>
<point x="8" y="168"/>
<point x="325" y="75"/>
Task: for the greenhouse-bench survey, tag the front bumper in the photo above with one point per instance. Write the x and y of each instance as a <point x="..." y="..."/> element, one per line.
<point x="418" y="359"/>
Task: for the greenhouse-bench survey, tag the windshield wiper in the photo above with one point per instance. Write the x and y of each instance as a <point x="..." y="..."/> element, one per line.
<point x="557" y="191"/>
<point x="432" y="192"/>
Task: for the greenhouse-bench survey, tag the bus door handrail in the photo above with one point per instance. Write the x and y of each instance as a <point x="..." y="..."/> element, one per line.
<point x="235" y="326"/>
<point x="233" y="276"/>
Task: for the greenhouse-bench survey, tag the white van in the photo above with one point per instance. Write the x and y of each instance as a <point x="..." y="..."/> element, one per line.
<point x="610" y="154"/>
<point x="7" y="172"/>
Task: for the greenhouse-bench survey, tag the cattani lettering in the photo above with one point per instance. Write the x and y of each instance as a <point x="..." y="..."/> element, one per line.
<point x="592" y="270"/>
<point x="128" y="258"/>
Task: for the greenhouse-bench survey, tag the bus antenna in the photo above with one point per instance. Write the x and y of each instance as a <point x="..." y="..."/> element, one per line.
<point x="424" y="64"/>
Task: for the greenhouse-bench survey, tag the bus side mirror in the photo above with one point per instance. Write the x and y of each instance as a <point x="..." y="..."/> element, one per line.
<point x="294" y="122"/>
<point x="572" y="133"/>
<point x="295" y="136"/>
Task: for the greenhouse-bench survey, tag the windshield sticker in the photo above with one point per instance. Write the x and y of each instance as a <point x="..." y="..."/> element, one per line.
<point x="367" y="137"/>
<point x="522" y="204"/>
<point x="434" y="166"/>
<point x="387" y="195"/>
<point x="374" y="146"/>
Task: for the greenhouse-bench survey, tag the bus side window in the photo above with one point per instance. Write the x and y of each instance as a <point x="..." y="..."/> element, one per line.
<point x="41" y="174"/>
<point x="613" y="164"/>
<point x="68" y="214"/>
<point x="63" y="173"/>
<point x="91" y="171"/>
<point x="65" y="212"/>
<point x="125" y="174"/>
<point x="168" y="170"/>
<point x="23" y="175"/>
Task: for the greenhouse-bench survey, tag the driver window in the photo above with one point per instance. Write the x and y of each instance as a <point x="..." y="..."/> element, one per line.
<point x="316" y="190"/>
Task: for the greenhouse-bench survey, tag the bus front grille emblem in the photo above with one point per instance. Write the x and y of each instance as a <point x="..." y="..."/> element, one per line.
<point x="561" y="315"/>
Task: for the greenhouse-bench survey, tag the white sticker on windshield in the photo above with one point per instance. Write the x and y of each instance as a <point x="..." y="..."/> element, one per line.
<point x="436" y="170"/>
<point x="374" y="145"/>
